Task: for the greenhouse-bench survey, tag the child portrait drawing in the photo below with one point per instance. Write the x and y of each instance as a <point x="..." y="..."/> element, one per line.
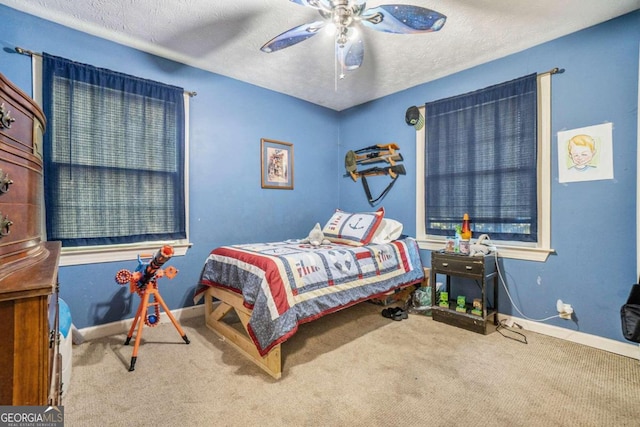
<point x="585" y="154"/>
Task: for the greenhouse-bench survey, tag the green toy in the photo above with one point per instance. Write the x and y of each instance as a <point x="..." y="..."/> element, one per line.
<point x="444" y="299"/>
<point x="461" y="304"/>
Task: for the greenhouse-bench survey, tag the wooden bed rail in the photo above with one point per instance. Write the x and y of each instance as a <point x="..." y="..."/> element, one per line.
<point x="214" y="314"/>
<point x="228" y="301"/>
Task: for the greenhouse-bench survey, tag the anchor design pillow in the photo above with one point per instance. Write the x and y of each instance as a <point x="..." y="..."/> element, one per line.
<point x="355" y="229"/>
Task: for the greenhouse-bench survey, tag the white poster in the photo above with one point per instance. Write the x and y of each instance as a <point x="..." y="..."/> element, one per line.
<point x="586" y="154"/>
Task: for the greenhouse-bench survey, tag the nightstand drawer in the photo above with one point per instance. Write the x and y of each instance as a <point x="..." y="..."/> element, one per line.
<point x="459" y="264"/>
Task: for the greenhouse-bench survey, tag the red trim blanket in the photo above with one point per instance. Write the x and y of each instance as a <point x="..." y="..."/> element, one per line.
<point x="289" y="283"/>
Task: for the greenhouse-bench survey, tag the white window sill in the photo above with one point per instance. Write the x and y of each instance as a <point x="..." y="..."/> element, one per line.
<point x="504" y="251"/>
<point x="98" y="254"/>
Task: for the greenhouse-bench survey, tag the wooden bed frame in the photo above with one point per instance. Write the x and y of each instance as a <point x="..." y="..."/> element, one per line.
<point x="229" y="301"/>
<point x="214" y="314"/>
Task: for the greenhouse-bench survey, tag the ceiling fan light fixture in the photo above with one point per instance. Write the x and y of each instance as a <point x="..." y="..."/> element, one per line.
<point x="341" y="17"/>
<point x="331" y="29"/>
<point x="353" y="33"/>
<point x="341" y="36"/>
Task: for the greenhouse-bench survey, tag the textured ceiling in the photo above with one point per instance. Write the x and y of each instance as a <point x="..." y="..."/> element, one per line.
<point x="225" y="36"/>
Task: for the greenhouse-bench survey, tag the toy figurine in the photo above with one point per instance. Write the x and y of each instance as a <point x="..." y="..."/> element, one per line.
<point x="444" y="299"/>
<point x="461" y="304"/>
<point x="143" y="281"/>
<point x="477" y="307"/>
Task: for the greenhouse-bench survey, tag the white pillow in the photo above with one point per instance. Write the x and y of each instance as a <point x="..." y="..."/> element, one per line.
<point x="388" y="231"/>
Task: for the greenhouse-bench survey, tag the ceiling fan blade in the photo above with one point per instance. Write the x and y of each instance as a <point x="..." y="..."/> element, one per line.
<point x="293" y="36"/>
<point x="402" y="19"/>
<point x="351" y="54"/>
<point x="316" y="4"/>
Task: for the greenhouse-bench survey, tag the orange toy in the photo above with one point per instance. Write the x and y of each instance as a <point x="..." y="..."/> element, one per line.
<point x="143" y="281"/>
<point x="466" y="227"/>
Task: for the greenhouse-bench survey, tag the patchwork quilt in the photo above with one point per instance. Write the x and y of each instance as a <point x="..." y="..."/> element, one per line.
<point x="289" y="283"/>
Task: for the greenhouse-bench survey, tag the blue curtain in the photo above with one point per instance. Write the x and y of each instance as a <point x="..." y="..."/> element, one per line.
<point x="481" y="159"/>
<point x="113" y="156"/>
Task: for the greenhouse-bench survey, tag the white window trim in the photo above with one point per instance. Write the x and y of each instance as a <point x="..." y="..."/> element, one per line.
<point x="540" y="251"/>
<point x="123" y="252"/>
<point x="120" y="252"/>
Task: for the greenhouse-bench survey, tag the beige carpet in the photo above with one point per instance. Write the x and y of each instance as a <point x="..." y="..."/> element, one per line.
<point x="353" y="368"/>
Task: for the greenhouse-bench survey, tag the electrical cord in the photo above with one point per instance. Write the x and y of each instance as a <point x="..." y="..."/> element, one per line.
<point x="495" y="254"/>
<point x="502" y="325"/>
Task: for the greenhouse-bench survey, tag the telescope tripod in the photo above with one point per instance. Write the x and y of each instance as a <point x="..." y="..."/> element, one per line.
<point x="151" y="289"/>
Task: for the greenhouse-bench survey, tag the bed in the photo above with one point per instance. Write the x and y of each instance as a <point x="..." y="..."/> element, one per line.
<point x="274" y="287"/>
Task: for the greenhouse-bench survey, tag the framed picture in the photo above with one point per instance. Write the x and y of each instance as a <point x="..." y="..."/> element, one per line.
<point x="586" y="154"/>
<point x="276" y="164"/>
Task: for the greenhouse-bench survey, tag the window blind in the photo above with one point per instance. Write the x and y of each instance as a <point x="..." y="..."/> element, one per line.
<point x="113" y="156"/>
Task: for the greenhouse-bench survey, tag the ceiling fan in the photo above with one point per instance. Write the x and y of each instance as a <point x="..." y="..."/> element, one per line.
<point x="344" y="17"/>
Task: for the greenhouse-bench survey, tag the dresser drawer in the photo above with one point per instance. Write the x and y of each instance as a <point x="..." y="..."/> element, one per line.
<point x="20" y="179"/>
<point x="21" y="120"/>
<point x="24" y="231"/>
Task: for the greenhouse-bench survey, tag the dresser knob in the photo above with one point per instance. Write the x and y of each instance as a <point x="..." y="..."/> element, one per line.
<point x="5" y="118"/>
<point x="5" y="182"/>
<point x="5" y="224"/>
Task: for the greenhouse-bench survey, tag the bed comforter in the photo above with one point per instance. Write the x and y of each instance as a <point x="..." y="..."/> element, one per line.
<point x="289" y="283"/>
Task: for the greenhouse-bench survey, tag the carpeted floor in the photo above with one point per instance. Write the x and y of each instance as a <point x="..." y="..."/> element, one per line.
<point x="353" y="368"/>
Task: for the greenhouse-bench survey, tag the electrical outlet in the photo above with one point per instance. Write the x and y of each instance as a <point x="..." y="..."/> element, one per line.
<point x="564" y="310"/>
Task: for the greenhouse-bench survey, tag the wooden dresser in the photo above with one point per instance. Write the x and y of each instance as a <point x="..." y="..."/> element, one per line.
<point x="29" y="356"/>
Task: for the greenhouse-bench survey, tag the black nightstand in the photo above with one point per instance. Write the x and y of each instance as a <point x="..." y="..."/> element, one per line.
<point x="479" y="268"/>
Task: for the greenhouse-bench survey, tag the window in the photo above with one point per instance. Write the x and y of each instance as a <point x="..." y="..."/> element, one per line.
<point x="114" y="162"/>
<point x="475" y="158"/>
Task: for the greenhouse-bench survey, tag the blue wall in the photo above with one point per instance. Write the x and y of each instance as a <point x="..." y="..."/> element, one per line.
<point x="593" y="223"/>
<point x="228" y="205"/>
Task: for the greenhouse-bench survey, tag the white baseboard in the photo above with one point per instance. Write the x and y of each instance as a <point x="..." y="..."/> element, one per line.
<point x="122" y="326"/>
<point x="606" y="344"/>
